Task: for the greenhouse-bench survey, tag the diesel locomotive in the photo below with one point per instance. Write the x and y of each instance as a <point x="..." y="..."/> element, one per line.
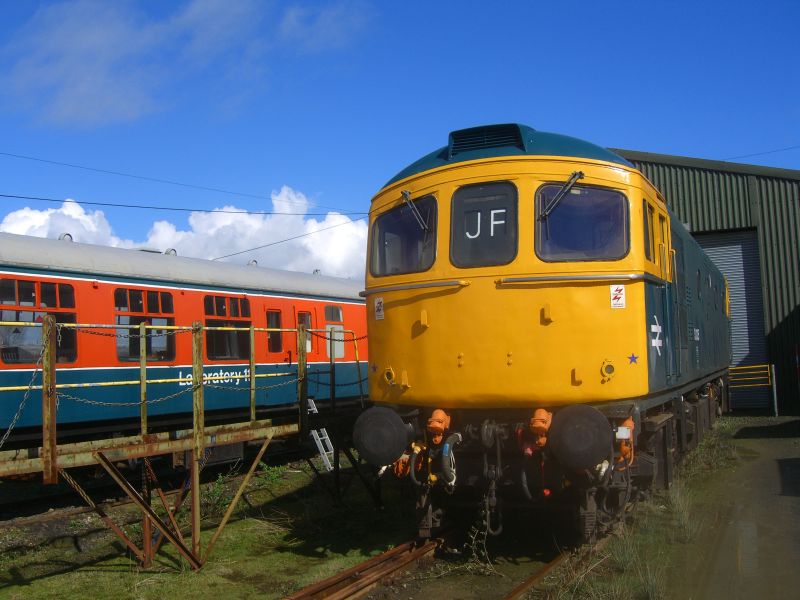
<point x="543" y="330"/>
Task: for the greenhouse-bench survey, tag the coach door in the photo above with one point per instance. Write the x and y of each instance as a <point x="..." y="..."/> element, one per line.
<point x="334" y="329"/>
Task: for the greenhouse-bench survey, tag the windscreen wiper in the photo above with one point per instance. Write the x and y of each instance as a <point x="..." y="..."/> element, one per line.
<point x="414" y="211"/>
<point x="573" y="179"/>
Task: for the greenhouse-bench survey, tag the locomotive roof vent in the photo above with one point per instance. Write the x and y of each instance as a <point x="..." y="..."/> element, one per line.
<point x="65" y="237"/>
<point x="171" y="252"/>
<point x="489" y="136"/>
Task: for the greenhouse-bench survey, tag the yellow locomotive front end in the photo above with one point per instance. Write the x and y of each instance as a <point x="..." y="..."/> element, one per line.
<point x="485" y="290"/>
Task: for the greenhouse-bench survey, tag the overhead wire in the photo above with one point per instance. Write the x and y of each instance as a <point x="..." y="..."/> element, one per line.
<point x="763" y="153"/>
<point x="175" y="208"/>
<point x="144" y="177"/>
<point x="289" y="239"/>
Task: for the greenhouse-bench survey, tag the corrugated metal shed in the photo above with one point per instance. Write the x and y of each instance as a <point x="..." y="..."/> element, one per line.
<point x="720" y="196"/>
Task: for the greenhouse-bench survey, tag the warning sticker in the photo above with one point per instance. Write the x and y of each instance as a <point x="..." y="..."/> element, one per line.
<point x="617" y="295"/>
<point x="379" y="309"/>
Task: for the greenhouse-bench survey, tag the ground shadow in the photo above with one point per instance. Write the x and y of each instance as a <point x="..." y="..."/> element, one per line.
<point x="785" y="429"/>
<point x="789" y="471"/>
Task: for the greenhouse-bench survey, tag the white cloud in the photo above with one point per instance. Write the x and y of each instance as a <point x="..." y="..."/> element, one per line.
<point x="329" y="27"/>
<point x="91" y="62"/>
<point x="338" y="251"/>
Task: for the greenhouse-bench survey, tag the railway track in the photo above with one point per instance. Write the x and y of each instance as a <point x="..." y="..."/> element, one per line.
<point x="359" y="580"/>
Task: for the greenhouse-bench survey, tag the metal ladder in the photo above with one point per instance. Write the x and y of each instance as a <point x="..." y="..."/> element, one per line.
<point x="321" y="439"/>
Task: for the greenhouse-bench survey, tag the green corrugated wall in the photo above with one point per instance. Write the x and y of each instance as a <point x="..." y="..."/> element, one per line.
<point x="718" y="196"/>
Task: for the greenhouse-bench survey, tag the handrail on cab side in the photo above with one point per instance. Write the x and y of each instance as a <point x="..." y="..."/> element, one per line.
<point x="581" y="278"/>
<point x="415" y="286"/>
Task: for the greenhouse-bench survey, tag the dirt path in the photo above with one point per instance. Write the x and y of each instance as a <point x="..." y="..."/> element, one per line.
<point x="748" y="545"/>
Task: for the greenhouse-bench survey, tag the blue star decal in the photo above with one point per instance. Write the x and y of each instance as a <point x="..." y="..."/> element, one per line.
<point x="632" y="359"/>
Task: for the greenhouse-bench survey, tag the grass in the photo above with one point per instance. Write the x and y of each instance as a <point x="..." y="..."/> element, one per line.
<point x="286" y="533"/>
<point x="634" y="563"/>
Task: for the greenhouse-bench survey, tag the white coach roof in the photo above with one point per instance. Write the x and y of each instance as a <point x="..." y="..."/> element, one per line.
<point x="89" y="260"/>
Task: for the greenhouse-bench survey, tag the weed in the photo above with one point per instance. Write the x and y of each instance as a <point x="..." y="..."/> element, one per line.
<point x="652" y="578"/>
<point x="268" y="476"/>
<point x="216" y="497"/>
<point x="680" y="506"/>
<point x="624" y="550"/>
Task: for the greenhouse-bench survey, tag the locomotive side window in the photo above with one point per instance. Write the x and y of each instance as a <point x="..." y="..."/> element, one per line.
<point x="647" y="210"/>
<point x="588" y="223"/>
<point x="274" y="338"/>
<point x="23" y="345"/>
<point x="484" y="225"/>
<point x="131" y="310"/>
<point x="228" y="345"/>
<point x="404" y="239"/>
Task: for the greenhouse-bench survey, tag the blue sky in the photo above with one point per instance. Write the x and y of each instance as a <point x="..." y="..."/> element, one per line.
<point x="311" y="107"/>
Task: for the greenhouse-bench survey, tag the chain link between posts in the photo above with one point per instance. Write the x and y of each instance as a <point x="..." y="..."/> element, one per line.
<point x="232" y="388"/>
<point x="117" y="334"/>
<point x="88" y="330"/>
<point x="24" y="400"/>
<point x="137" y="403"/>
<point x="348" y="337"/>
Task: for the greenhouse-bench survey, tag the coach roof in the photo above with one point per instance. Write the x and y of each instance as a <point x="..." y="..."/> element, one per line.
<point x="40" y="254"/>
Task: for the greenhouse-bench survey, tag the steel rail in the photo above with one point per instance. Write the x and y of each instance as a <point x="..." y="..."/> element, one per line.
<point x="356" y="580"/>
<point x="525" y="586"/>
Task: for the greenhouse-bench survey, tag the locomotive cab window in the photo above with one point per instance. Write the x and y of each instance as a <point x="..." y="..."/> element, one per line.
<point x="647" y="211"/>
<point x="484" y="225"/>
<point x="23" y="344"/>
<point x="586" y="224"/>
<point x="132" y="310"/>
<point x="404" y="239"/>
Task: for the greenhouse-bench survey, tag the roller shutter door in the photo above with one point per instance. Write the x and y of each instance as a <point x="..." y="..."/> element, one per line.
<point x="736" y="254"/>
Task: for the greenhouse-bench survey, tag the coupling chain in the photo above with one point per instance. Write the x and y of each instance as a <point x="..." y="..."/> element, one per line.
<point x="103" y="403"/>
<point x="231" y="388"/>
<point x="322" y="383"/>
<point x="24" y="400"/>
<point x="347" y="337"/>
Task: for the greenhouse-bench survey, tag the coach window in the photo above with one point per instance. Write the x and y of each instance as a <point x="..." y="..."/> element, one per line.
<point x="484" y="225"/>
<point x="304" y="319"/>
<point x="586" y="224"/>
<point x="404" y="239"/>
<point x="23" y="345"/>
<point x="274" y="338"/>
<point x="131" y="310"/>
<point x="229" y="312"/>
<point x="334" y="330"/>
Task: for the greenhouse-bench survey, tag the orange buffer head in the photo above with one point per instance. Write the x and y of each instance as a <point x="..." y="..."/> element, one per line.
<point x="539" y="424"/>
<point x="437" y="425"/>
<point x="625" y="438"/>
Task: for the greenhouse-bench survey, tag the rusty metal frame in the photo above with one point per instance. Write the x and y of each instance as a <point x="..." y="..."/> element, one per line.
<point x="53" y="460"/>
